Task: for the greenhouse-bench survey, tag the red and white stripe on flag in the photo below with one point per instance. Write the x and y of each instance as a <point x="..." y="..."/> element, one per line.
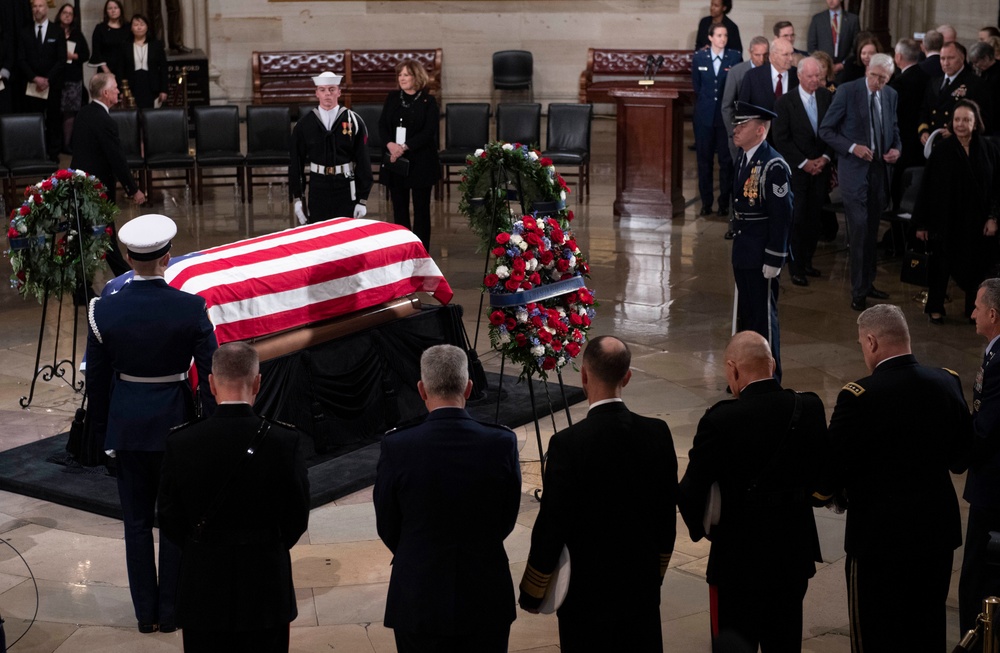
<point x="287" y="279"/>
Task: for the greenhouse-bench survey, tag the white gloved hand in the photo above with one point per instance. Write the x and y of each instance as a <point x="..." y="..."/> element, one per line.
<point x="299" y="213"/>
<point x="360" y="210"/>
<point x="770" y="271"/>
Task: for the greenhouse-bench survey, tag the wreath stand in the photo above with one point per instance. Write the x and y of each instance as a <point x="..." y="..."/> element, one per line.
<point x="501" y="187"/>
<point x="57" y="368"/>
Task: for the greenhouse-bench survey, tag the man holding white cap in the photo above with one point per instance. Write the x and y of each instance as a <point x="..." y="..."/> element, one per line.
<point x="331" y="143"/>
<point x="140" y="346"/>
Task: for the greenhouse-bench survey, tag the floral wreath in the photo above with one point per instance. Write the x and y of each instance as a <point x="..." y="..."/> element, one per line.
<point x="45" y="244"/>
<point x="522" y="168"/>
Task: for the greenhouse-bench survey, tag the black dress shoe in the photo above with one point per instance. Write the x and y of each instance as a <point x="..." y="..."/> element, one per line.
<point x="705" y="210"/>
<point x="800" y="280"/>
<point x="874" y="293"/>
<point x="723" y="211"/>
<point x="729" y="235"/>
<point x="813" y="272"/>
<point x="936" y="320"/>
<point x="147" y="628"/>
<point x="859" y="304"/>
<point x="168" y="628"/>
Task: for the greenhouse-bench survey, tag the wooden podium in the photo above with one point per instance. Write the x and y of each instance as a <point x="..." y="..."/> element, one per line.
<point x="650" y="150"/>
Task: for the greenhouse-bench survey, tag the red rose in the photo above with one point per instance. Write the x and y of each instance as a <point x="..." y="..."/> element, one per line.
<point x="499" y="251"/>
<point x="526" y="284"/>
<point x="536" y="322"/>
<point x="496" y="318"/>
<point x="557" y="345"/>
<point x="533" y="239"/>
<point x="545" y="162"/>
<point x="503" y="238"/>
<point x="545" y="336"/>
<point x="510" y="323"/>
<point x="517" y="275"/>
<point x="518" y="264"/>
<point x="556" y="236"/>
<point x="572" y="349"/>
<point x="483" y="155"/>
<point x="577" y="335"/>
<point x="108" y="230"/>
<point x="512" y="285"/>
<point x="549" y="363"/>
<point x="47" y="184"/>
<point x="37" y="198"/>
<point x="103" y="196"/>
<point x="60" y="251"/>
<point x="562" y="183"/>
<point x="529" y="222"/>
<point x="528" y="255"/>
<point x="27" y="191"/>
<point x="575" y="319"/>
<point x="562" y="265"/>
<point x="535" y="279"/>
<point x="569" y="216"/>
<point x="531" y="306"/>
<point x="63" y="174"/>
<point x="584" y="267"/>
<point x="586" y="320"/>
<point x="12" y="233"/>
<point x="24" y="210"/>
<point x="491" y="280"/>
<point x="521" y="339"/>
<point x="546" y="257"/>
<point x="98" y="185"/>
<point x="571" y="245"/>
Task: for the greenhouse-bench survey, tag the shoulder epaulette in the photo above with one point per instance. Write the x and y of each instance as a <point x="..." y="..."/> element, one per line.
<point x="854" y="389"/>
<point x="952" y="372"/>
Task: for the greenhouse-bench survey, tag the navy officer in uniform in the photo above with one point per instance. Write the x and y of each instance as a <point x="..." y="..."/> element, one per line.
<point x="762" y="218"/>
<point x="140" y="345"/>
<point x="331" y="142"/>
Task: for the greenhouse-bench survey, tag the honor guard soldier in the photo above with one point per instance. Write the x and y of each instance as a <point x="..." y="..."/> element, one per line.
<point x="762" y="218"/>
<point x="140" y="345"/>
<point x="331" y="144"/>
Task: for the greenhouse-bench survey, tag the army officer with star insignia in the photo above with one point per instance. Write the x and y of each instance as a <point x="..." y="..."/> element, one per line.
<point x="762" y="219"/>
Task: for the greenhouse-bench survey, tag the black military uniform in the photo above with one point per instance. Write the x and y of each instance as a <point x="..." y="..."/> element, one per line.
<point x="939" y="102"/>
<point x="337" y="160"/>
<point x="895" y="435"/>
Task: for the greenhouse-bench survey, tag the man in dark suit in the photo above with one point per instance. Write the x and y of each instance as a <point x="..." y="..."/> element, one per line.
<point x="447" y="493"/>
<point x="97" y="150"/>
<point x="762" y="86"/>
<point x="861" y="127"/>
<point x="910" y="84"/>
<point x="833" y="31"/>
<point x="894" y="437"/>
<point x="234" y="496"/>
<point x="955" y="82"/>
<point x="762" y="219"/>
<point x="709" y="68"/>
<point x="636" y="537"/>
<point x="931" y="45"/>
<point x="140" y="345"/>
<point x="15" y="16"/>
<point x="979" y="578"/>
<point x="796" y="137"/>
<point x="41" y="58"/>
<point x="763" y="449"/>
<point x="734" y="81"/>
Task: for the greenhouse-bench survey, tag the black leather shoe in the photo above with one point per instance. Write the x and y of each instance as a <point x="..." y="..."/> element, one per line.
<point x="729" y="235"/>
<point x="800" y="280"/>
<point x="705" y="210"/>
<point x="147" y="628"/>
<point x="936" y="320"/>
<point x="723" y="211"/>
<point x="813" y="272"/>
<point x="874" y="293"/>
<point x="168" y="628"/>
<point x="859" y="304"/>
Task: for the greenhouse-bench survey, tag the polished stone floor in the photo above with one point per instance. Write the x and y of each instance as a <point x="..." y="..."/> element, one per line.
<point x="665" y="286"/>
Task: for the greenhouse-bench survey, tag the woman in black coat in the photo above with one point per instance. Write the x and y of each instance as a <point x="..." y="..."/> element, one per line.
<point x="718" y="11"/>
<point x="144" y="65"/>
<point x="110" y="37"/>
<point x="957" y="209"/>
<point x="73" y="94"/>
<point x="414" y="110"/>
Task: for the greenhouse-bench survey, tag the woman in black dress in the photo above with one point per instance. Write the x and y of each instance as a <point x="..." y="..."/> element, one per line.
<point x="414" y="110"/>
<point x="718" y="11"/>
<point x="110" y="37"/>
<point x="73" y="94"/>
<point x="144" y="65"/>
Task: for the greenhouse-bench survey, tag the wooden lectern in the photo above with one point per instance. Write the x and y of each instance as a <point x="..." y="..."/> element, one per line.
<point x="650" y="150"/>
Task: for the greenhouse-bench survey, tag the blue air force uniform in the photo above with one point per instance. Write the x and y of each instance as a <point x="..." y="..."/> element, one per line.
<point x="710" y="136"/>
<point x="762" y="219"/>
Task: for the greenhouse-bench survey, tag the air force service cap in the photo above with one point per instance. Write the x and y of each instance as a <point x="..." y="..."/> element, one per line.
<point x="147" y="237"/>
<point x="746" y="112"/>
<point x="327" y="79"/>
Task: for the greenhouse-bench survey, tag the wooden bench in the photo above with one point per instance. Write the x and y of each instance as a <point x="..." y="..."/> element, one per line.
<point x="608" y="68"/>
<point x="286" y="77"/>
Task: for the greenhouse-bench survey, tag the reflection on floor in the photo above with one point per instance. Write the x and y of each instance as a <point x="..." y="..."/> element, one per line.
<point x="665" y="286"/>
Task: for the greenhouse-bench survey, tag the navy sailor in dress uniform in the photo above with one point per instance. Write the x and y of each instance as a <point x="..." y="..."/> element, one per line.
<point x="140" y="346"/>
<point x="762" y="219"/>
<point x="331" y="143"/>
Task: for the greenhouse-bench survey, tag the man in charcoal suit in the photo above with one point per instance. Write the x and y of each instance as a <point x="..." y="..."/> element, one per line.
<point x="796" y="137"/>
<point x="833" y="31"/>
<point x="41" y="57"/>
<point x="617" y="566"/>
<point x="910" y="84"/>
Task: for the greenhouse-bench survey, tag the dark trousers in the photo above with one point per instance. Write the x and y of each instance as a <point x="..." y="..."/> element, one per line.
<point x="938" y="273"/>
<point x="488" y="641"/>
<point x="863" y="208"/>
<point x="711" y="141"/>
<point x="877" y="587"/>
<point x="592" y="633"/>
<point x="265" y="640"/>
<point x="421" y="226"/>
<point x="978" y="579"/>
<point x="766" y="614"/>
<point x="807" y="208"/>
<point x="329" y="197"/>
<point x="138" y="484"/>
<point x="757" y="309"/>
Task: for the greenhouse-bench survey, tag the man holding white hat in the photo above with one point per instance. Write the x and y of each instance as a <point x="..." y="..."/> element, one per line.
<point x="331" y="142"/>
<point x="140" y="345"/>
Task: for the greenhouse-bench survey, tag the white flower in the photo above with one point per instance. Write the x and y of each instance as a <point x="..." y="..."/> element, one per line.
<point x="522" y="316"/>
<point x="582" y="310"/>
<point x="538" y="350"/>
<point x="80" y="173"/>
<point x="503" y="271"/>
<point x="504" y="338"/>
<point x="478" y="153"/>
<point x="517" y="240"/>
<point x="561" y="311"/>
<point x="532" y="265"/>
<point x="562" y="195"/>
<point x="508" y="147"/>
<point x="572" y="261"/>
<point x="576" y="252"/>
<point x="523" y="245"/>
<point x="550" y="330"/>
<point x="532" y="155"/>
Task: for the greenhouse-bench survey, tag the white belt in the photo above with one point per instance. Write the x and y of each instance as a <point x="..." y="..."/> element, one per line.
<point x="170" y="378"/>
<point x="346" y="169"/>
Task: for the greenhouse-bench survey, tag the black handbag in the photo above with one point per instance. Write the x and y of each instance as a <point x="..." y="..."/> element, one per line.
<point x="400" y="166"/>
<point x="915" y="266"/>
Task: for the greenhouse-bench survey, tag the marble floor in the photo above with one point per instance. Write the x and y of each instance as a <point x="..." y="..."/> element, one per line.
<point x="665" y="286"/>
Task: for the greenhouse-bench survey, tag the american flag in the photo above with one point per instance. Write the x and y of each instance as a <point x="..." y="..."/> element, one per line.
<point x="287" y="279"/>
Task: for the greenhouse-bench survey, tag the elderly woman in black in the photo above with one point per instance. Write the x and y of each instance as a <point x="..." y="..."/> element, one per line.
<point x="409" y="127"/>
<point x="144" y="65"/>
<point x="957" y="209"/>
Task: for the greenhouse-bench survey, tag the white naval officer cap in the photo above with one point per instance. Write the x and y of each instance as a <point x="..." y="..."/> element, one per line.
<point x="327" y="79"/>
<point x="147" y="237"/>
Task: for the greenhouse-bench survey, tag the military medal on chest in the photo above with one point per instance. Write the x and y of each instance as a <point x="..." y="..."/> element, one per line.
<point x="346" y="126"/>
<point x="751" y="185"/>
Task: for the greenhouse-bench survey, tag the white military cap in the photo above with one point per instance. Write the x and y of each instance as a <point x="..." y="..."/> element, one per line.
<point x="327" y="79"/>
<point x="148" y="237"/>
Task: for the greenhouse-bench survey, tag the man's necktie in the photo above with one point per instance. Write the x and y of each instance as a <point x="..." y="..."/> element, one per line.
<point x="944" y="84"/>
<point x="741" y="166"/>
<point x="39" y="38"/>
<point x="811" y="112"/>
<point x="777" y="89"/>
<point x="876" y="127"/>
<point x="717" y="63"/>
<point x="833" y="31"/>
